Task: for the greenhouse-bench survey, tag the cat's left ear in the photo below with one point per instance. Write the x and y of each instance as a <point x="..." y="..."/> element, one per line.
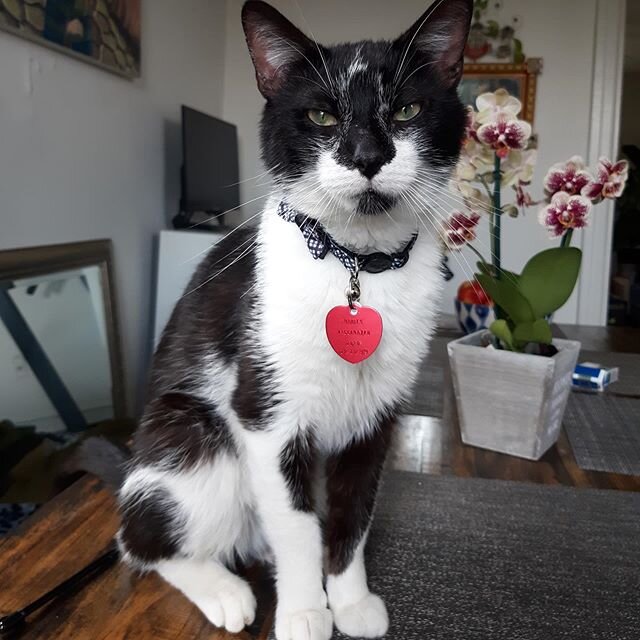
<point x="274" y="44"/>
<point x="441" y="32"/>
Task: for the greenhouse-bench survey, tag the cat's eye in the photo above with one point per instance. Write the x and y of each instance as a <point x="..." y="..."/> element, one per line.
<point x="322" y="118"/>
<point x="408" y="112"/>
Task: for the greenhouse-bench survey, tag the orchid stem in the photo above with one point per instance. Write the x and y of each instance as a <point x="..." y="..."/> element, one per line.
<point x="566" y="238"/>
<point x="477" y="253"/>
<point x="495" y="235"/>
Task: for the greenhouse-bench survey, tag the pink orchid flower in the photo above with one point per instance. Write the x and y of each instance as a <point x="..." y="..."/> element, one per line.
<point x="523" y="197"/>
<point x="568" y="177"/>
<point x="460" y="229"/>
<point x="610" y="181"/>
<point x="471" y="128"/>
<point x="504" y="135"/>
<point x="497" y="105"/>
<point x="565" y="212"/>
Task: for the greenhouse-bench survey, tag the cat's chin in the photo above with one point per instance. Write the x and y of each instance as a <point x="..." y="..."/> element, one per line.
<point x="373" y="203"/>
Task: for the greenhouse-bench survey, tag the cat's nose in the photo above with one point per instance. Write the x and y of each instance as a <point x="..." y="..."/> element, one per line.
<point x="368" y="157"/>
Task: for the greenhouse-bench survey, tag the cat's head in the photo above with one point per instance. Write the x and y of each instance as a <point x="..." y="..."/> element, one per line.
<point x="357" y="131"/>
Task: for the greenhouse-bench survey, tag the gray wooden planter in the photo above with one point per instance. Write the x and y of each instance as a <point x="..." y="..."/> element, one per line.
<point x="510" y="402"/>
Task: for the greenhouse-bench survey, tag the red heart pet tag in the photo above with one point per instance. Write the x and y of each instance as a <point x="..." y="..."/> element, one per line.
<point x="354" y="334"/>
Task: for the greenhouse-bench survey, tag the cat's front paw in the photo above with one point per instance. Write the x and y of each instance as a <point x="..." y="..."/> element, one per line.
<point x="230" y="605"/>
<point x="310" y="624"/>
<point x="367" y="618"/>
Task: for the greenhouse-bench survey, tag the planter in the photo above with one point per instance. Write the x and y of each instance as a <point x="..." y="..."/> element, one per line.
<point x="510" y="402"/>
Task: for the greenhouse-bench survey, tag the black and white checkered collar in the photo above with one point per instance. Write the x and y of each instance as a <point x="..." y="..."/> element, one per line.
<point x="320" y="243"/>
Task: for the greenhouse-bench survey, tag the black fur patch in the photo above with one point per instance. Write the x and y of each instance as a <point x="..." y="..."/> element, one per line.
<point x="296" y="465"/>
<point x="178" y="431"/>
<point x="210" y="317"/>
<point x="352" y="485"/>
<point x="253" y="397"/>
<point x="148" y="531"/>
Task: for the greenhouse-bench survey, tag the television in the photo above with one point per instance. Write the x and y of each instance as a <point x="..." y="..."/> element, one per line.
<point x="210" y="164"/>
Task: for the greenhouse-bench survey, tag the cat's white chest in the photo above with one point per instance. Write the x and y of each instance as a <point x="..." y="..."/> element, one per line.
<point x="319" y="388"/>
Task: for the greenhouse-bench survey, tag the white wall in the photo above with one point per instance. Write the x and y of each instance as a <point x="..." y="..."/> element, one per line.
<point x="85" y="154"/>
<point x="561" y="32"/>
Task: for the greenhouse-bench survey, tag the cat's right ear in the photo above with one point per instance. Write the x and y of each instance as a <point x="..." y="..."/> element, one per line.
<point x="441" y="32"/>
<point x="274" y="44"/>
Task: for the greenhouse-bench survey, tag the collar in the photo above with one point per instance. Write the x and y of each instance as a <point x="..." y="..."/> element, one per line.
<point x="320" y="243"/>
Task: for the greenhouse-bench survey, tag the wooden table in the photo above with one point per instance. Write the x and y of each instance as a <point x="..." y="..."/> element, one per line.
<point x="79" y="524"/>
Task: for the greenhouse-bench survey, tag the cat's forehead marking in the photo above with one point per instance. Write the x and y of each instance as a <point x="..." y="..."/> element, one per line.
<point x="358" y="65"/>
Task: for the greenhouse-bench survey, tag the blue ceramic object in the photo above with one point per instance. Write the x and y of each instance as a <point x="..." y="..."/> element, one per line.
<point x="473" y="317"/>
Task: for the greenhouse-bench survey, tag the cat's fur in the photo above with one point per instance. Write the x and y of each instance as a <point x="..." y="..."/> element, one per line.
<point x="257" y="440"/>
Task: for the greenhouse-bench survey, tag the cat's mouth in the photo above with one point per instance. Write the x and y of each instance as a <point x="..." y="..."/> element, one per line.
<point x="372" y="202"/>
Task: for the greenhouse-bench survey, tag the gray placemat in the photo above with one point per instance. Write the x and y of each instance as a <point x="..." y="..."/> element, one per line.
<point x="604" y="429"/>
<point x="470" y="559"/>
<point x="427" y="399"/>
<point x="604" y="432"/>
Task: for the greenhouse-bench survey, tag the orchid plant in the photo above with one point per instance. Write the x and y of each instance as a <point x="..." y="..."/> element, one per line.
<point x="500" y="153"/>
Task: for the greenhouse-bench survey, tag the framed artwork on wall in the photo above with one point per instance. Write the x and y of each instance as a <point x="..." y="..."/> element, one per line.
<point x="520" y="80"/>
<point x="105" y="33"/>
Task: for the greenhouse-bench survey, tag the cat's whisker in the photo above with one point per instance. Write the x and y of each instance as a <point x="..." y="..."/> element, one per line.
<point x="217" y="215"/>
<point x="422" y="66"/>
<point x="250" y="239"/>
<point x="315" y="42"/>
<point x="290" y="44"/>
<point x="442" y="203"/>
<point x="430" y="12"/>
<point x="242" y="224"/>
<point x="457" y="196"/>
<point x="244" y="253"/>
<point x="249" y="290"/>
<point x="260" y="175"/>
<point x="467" y="270"/>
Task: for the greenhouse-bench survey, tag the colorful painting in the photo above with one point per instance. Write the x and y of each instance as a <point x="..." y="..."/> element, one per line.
<point x="493" y="34"/>
<point x="103" y="32"/>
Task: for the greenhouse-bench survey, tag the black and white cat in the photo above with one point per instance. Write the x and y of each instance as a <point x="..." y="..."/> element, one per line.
<point x="258" y="441"/>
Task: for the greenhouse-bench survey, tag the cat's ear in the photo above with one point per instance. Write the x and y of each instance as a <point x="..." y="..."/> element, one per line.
<point x="441" y="32"/>
<point x="274" y="44"/>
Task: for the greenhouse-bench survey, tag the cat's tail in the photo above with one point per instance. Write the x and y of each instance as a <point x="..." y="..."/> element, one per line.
<point x="102" y="458"/>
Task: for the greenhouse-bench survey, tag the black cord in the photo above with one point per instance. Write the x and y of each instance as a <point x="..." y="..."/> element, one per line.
<point x="16" y="621"/>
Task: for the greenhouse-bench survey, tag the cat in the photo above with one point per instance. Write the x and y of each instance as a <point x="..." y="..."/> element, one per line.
<point x="258" y="441"/>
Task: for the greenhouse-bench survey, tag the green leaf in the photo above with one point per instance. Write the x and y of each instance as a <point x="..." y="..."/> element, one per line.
<point x="538" y="331"/>
<point x="500" y="330"/>
<point x="518" y="53"/>
<point x="506" y="294"/>
<point x="487" y="269"/>
<point x="548" y="279"/>
<point x="509" y="275"/>
<point x="493" y="29"/>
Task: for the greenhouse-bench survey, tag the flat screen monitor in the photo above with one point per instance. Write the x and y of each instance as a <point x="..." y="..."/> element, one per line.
<point x="210" y="163"/>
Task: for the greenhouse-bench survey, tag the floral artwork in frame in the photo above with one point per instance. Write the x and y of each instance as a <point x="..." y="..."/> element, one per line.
<point x="103" y="32"/>
<point x="519" y="80"/>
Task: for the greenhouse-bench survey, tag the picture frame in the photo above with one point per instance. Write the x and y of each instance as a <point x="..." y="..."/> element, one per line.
<point x="104" y="33"/>
<point x="520" y="80"/>
<point x="31" y="262"/>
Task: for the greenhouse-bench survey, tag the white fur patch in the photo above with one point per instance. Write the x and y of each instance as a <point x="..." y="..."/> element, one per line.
<point x="316" y="387"/>
<point x="224" y="598"/>
<point x="330" y="194"/>
<point x="212" y="503"/>
<point x="356" y="611"/>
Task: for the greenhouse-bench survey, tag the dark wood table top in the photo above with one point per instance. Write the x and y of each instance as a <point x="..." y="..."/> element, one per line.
<point x="79" y="524"/>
